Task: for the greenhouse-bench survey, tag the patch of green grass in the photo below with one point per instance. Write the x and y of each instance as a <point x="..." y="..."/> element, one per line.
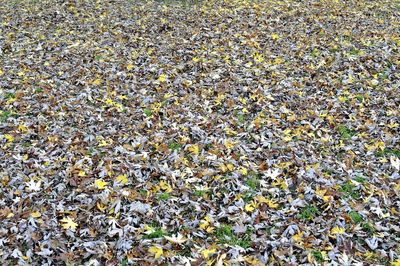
<point x="147" y="112"/>
<point x="345" y="132"/>
<point x="163" y="196"/>
<point x="9" y="95"/>
<point x="314" y="53"/>
<point x="360" y="98"/>
<point x="39" y="90"/>
<point x="175" y="146"/>
<point x="158" y="232"/>
<point x="241" y="118"/>
<point x="308" y="212"/>
<point x="180" y="2"/>
<point x="368" y="228"/>
<point x="317" y="256"/>
<point x="143" y="192"/>
<point x="360" y="179"/>
<point x="350" y="190"/>
<point x="225" y="235"/>
<point x="355" y="217"/>
<point x="4" y="115"/>
<point x="355" y="51"/>
<point x="329" y="172"/>
<point x="200" y="193"/>
<point x="252" y="183"/>
<point x="386" y="151"/>
<point x="208" y="146"/>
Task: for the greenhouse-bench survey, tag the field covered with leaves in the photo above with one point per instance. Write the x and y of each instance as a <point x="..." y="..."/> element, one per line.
<point x="212" y="133"/>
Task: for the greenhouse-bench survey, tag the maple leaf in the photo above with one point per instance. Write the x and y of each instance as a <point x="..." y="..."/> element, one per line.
<point x="82" y="173"/>
<point x="272" y="174"/>
<point x="177" y="239"/>
<point x="337" y="231"/>
<point x="35" y="214"/>
<point x="9" y="138"/>
<point x="298" y="237"/>
<point x="271" y="203"/>
<point x="68" y="223"/>
<point x="100" y="184"/>
<point x="229" y="144"/>
<point x="33" y="186"/>
<point x="243" y="170"/>
<point x="194" y="149"/>
<point x="250" y="207"/>
<point x="97" y="82"/>
<point x="395" y="162"/>
<point x="275" y="36"/>
<point x="156" y="251"/>
<point x="165" y="186"/>
<point x="207" y="252"/>
<point x="122" y="179"/>
<point x="162" y="78"/>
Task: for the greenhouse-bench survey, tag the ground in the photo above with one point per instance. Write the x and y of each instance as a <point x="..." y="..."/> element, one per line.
<point x="199" y="133"/>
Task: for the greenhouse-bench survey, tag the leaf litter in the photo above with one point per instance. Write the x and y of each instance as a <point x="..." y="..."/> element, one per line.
<point x="208" y="133"/>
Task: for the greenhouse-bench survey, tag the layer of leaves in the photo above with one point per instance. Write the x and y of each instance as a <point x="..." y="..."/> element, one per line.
<point x="234" y="131"/>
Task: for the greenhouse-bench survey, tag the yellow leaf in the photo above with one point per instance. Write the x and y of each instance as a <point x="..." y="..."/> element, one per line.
<point x="82" y="173"/>
<point x="253" y="261"/>
<point x="275" y="36"/>
<point x="129" y="67"/>
<point x="122" y="179"/>
<point x="165" y="186"/>
<point x="100" y="184"/>
<point x="210" y="229"/>
<point x="194" y="149"/>
<point x="9" y="137"/>
<point x="396" y="263"/>
<point x="380" y="145"/>
<point x="162" y="78"/>
<point x="1" y="72"/>
<point x="320" y="192"/>
<point x="250" y="206"/>
<point x="168" y="95"/>
<point x="100" y="206"/>
<point x="156" y="251"/>
<point x="97" y="82"/>
<point x="207" y="252"/>
<point x="68" y="223"/>
<point x="223" y="168"/>
<point x="22" y="128"/>
<point x="35" y="214"/>
<point x="196" y="59"/>
<point x="229" y="144"/>
<point x="337" y="230"/>
<point x="108" y="101"/>
<point x="280" y="182"/>
<point x="205" y="223"/>
<point x="298" y="237"/>
<point x="229" y="131"/>
<point x="278" y="61"/>
<point x="243" y="170"/>
<point x="271" y="203"/>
